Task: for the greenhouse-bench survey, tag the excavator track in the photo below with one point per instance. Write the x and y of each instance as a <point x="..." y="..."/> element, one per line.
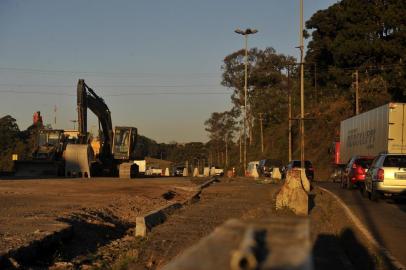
<point x="128" y="170"/>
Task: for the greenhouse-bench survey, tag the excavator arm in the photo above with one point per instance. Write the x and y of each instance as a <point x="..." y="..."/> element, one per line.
<point x="87" y="98"/>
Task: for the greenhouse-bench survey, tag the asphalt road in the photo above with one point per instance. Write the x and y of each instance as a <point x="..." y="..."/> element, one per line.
<point x="385" y="219"/>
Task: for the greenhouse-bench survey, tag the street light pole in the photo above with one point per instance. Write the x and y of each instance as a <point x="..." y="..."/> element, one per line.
<point x="302" y="155"/>
<point x="245" y="33"/>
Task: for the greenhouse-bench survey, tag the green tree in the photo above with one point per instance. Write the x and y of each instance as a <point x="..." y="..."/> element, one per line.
<point x="368" y="35"/>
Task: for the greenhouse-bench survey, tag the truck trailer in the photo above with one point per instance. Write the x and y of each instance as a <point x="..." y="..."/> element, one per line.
<point x="382" y="129"/>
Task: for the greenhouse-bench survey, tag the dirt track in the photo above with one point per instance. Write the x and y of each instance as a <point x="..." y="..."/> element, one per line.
<point x="33" y="209"/>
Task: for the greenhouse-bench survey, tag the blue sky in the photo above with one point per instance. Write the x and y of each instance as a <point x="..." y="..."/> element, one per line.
<point x="156" y="63"/>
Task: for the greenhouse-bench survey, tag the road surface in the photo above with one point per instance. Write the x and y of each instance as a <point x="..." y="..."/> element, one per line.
<point x="385" y="219"/>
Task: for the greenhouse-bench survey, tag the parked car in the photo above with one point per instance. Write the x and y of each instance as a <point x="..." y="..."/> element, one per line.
<point x="387" y="175"/>
<point x="178" y="171"/>
<point x="355" y="171"/>
<point x="309" y="169"/>
<point x="251" y="168"/>
<point x="152" y="171"/>
<point x="266" y="166"/>
<point x="218" y="171"/>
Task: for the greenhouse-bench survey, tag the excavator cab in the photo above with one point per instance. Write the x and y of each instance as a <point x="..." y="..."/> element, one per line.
<point x="124" y="142"/>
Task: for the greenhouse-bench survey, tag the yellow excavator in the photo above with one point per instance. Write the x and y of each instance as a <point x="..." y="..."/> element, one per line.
<point x="117" y="148"/>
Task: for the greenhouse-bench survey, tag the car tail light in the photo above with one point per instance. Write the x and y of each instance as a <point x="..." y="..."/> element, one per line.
<point x="380" y="175"/>
<point x="360" y="170"/>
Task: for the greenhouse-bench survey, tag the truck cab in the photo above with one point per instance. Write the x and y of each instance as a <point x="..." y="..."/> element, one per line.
<point x="124" y="142"/>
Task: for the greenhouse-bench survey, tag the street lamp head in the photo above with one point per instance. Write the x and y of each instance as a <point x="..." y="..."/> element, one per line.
<point x="251" y="31"/>
<point x="247" y="31"/>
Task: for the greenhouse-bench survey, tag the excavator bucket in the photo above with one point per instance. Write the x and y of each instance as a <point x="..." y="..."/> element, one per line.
<point x="38" y="168"/>
<point x="78" y="159"/>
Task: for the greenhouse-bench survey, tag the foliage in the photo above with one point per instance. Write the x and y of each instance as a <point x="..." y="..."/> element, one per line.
<point x="368" y="35"/>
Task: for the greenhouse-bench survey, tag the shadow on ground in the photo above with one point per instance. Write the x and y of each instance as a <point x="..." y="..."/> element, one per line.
<point x="77" y="244"/>
<point x="345" y="252"/>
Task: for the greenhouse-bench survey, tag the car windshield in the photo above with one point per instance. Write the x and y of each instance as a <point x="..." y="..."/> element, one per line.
<point x="395" y="161"/>
<point x="364" y="162"/>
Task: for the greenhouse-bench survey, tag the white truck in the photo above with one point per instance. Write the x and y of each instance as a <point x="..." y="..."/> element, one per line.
<point x="382" y="129"/>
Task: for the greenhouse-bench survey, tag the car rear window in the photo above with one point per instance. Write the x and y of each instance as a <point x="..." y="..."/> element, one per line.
<point x="395" y="161"/>
<point x="364" y="163"/>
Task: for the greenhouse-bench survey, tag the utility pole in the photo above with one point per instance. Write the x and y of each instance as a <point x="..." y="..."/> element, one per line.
<point x="302" y="141"/>
<point x="262" y="132"/>
<point x="356" y="92"/>
<point x="240" y="147"/>
<point x="226" y="139"/>
<point x="290" y="117"/>
<point x="55" y="109"/>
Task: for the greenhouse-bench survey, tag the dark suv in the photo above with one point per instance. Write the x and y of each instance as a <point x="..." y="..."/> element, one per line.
<point x="355" y="171"/>
<point x="265" y="166"/>
<point x="308" y="168"/>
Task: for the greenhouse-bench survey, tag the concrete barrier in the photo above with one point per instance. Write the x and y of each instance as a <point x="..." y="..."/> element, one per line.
<point x="143" y="224"/>
<point x="279" y="243"/>
<point x="293" y="195"/>
<point x="195" y="172"/>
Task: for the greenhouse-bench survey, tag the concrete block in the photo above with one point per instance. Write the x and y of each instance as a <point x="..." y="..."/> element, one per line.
<point x="276" y="173"/>
<point x="167" y="172"/>
<point x="206" y="172"/>
<point x="185" y="172"/>
<point x="212" y="171"/>
<point x="292" y="194"/>
<point x="283" y="242"/>
<point x="195" y="172"/>
<point x="144" y="224"/>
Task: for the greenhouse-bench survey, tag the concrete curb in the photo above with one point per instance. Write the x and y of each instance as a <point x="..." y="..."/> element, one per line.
<point x="369" y="237"/>
<point x="143" y="224"/>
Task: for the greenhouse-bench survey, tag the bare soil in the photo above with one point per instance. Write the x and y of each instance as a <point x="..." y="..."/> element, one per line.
<point x="96" y="211"/>
<point x="101" y="217"/>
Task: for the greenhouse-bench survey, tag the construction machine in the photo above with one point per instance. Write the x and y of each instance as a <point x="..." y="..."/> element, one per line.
<point x="47" y="157"/>
<point x="117" y="148"/>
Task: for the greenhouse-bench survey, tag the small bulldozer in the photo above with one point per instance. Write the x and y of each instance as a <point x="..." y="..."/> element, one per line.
<point x="46" y="159"/>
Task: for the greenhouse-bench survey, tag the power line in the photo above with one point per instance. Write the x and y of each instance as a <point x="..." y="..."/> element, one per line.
<point x="112" y="85"/>
<point x="116" y="95"/>
<point x="105" y="73"/>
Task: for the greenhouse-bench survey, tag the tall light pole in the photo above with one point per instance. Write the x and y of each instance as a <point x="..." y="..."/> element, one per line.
<point x="301" y="87"/>
<point x="245" y="33"/>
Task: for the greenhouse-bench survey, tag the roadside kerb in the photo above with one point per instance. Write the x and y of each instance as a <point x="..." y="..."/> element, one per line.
<point x="143" y="224"/>
<point x="368" y="236"/>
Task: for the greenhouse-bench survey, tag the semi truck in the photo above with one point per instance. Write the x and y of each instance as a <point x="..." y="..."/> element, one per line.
<point x="382" y="129"/>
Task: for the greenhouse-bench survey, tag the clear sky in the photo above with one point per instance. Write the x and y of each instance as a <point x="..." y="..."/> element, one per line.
<point x="155" y="62"/>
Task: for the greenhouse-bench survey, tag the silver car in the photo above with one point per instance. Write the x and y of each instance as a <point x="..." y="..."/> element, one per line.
<point x="387" y="175"/>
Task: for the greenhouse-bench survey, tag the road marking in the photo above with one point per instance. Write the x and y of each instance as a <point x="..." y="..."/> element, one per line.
<point x="370" y="238"/>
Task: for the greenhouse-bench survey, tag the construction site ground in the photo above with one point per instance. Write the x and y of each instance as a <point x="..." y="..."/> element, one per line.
<point x="102" y="214"/>
<point x="34" y="210"/>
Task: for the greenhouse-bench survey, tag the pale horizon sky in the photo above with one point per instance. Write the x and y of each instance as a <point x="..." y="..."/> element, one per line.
<point x="155" y="63"/>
